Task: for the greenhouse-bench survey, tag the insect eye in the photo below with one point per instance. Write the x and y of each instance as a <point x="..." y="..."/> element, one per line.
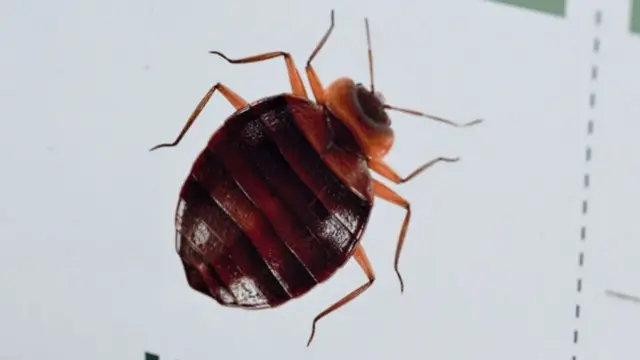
<point x="380" y="97"/>
<point x="371" y="107"/>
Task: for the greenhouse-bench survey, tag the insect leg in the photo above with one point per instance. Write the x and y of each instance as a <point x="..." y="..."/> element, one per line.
<point x="363" y="261"/>
<point x="623" y="296"/>
<point x="235" y="100"/>
<point x="382" y="191"/>
<point x="382" y="168"/>
<point x="314" y="80"/>
<point x="297" y="86"/>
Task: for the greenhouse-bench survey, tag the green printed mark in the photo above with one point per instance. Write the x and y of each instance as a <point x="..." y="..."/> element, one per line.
<point x="635" y="16"/>
<point x="150" y="356"/>
<point x="552" y="7"/>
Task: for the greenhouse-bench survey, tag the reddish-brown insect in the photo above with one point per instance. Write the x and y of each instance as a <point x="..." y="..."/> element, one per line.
<point x="279" y="198"/>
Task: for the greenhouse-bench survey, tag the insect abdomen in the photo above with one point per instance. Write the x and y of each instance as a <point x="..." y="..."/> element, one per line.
<point x="261" y="218"/>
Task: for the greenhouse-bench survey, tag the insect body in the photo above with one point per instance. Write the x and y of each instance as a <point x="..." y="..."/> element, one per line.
<point x="279" y="198"/>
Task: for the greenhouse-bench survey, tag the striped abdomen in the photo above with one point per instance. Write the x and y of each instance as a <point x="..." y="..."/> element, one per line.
<point x="263" y="217"/>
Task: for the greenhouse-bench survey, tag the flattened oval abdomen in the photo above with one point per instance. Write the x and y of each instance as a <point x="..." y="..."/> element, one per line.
<point x="261" y="219"/>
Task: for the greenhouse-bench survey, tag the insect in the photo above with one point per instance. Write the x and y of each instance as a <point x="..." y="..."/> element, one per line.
<point x="279" y="198"/>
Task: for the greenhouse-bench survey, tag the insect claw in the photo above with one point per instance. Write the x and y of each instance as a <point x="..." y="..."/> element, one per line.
<point x="313" y="332"/>
<point x="160" y="146"/>
<point x="474" y="122"/>
<point x="401" y="282"/>
<point x="221" y="55"/>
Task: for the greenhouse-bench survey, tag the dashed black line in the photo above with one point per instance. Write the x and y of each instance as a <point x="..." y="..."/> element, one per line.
<point x="592" y="102"/>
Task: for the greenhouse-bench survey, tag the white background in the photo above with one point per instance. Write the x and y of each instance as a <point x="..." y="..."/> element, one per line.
<point x="88" y="268"/>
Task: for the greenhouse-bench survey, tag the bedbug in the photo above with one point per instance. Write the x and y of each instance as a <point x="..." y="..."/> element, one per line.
<point x="279" y="198"/>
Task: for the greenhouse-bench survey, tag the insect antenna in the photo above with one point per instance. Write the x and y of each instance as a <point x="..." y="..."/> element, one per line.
<point x="432" y="117"/>
<point x="370" y="54"/>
